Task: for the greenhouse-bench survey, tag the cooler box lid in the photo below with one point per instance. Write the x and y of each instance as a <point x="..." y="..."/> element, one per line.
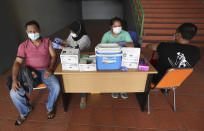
<point x="108" y="48"/>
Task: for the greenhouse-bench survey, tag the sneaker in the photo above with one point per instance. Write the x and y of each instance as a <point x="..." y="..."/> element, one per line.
<point x="114" y="95"/>
<point x="124" y="95"/>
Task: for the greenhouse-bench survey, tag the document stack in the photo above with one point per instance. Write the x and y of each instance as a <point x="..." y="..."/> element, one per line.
<point x="70" y="59"/>
<point x="130" y="57"/>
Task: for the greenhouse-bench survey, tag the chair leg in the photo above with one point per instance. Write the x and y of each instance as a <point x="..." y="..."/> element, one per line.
<point x="148" y="105"/>
<point x="174" y="98"/>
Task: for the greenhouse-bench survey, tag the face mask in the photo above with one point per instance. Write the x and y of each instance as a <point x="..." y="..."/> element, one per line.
<point x="117" y="30"/>
<point x="33" y="36"/>
<point x="73" y="35"/>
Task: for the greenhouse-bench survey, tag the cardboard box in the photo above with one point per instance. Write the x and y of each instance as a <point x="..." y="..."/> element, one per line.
<point x="87" y="64"/>
<point x="131" y="53"/>
<point x="130" y="57"/>
<point x="133" y="65"/>
<point x="143" y="65"/>
<point x="70" y="56"/>
<point x="70" y="67"/>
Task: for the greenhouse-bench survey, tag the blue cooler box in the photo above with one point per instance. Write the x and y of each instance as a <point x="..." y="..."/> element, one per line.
<point x="108" y="56"/>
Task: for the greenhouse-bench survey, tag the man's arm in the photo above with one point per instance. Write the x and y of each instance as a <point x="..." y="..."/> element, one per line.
<point x="151" y="46"/>
<point x="16" y="67"/>
<point x="49" y="71"/>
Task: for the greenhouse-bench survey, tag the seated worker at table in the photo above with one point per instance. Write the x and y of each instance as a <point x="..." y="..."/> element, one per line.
<point x="117" y="35"/>
<point x="37" y="53"/>
<point x="77" y="38"/>
<point x="176" y="54"/>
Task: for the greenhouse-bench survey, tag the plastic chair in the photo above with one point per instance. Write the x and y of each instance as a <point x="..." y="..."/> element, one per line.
<point x="134" y="37"/>
<point x="40" y="86"/>
<point x="173" y="78"/>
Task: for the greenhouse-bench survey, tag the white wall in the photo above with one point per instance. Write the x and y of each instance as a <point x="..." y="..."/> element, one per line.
<point x="101" y="9"/>
<point x="52" y="15"/>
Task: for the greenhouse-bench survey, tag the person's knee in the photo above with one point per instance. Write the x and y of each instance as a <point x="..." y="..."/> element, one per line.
<point x="13" y="94"/>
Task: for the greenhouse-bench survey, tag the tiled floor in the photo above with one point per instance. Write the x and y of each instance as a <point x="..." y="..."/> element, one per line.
<point x="106" y="114"/>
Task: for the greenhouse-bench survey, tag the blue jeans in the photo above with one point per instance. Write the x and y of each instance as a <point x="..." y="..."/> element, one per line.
<point x="22" y="103"/>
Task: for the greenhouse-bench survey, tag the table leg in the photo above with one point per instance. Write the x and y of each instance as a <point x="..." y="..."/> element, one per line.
<point x="65" y="96"/>
<point x="142" y="97"/>
<point x="65" y="100"/>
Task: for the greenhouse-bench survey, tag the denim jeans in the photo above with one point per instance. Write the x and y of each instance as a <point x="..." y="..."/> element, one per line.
<point x="22" y="103"/>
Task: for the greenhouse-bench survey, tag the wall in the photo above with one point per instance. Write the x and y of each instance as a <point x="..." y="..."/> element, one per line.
<point x="129" y="15"/>
<point x="101" y="9"/>
<point x="52" y="15"/>
<point x="8" y="38"/>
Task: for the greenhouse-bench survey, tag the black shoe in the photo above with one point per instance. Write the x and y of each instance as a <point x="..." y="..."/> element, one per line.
<point x="165" y="91"/>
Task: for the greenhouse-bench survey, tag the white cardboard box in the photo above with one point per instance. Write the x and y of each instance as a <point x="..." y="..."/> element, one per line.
<point x="70" y="67"/>
<point x="130" y="57"/>
<point x="87" y="64"/>
<point x="131" y="53"/>
<point x="133" y="65"/>
<point x="70" y="56"/>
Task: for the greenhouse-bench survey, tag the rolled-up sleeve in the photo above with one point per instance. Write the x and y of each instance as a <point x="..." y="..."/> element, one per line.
<point x="21" y="51"/>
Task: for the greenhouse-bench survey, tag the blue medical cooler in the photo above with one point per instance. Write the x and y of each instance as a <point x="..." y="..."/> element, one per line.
<point x="108" y="56"/>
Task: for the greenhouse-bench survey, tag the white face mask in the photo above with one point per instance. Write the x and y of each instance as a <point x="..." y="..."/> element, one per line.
<point x="73" y="35"/>
<point x="117" y="30"/>
<point x="33" y="36"/>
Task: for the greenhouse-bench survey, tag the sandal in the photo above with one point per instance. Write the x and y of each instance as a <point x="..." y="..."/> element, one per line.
<point x="50" y="115"/>
<point x="20" y="119"/>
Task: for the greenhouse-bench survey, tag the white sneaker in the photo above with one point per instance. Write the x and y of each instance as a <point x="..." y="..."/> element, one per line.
<point x="124" y="95"/>
<point x="114" y="95"/>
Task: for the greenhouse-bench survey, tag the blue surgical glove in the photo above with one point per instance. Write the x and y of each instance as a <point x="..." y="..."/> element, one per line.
<point x="56" y="46"/>
<point x="122" y="44"/>
<point x="58" y="40"/>
<point x="123" y="68"/>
